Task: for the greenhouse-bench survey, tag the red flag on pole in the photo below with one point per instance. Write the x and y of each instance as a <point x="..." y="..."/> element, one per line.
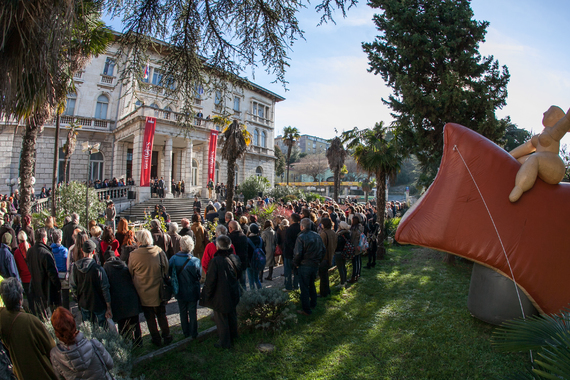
<point x="212" y="154"/>
<point x="148" y="140"/>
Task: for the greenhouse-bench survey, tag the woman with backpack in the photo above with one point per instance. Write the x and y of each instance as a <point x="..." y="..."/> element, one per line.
<point x="188" y="273"/>
<point x="255" y="243"/>
<point x="342" y="250"/>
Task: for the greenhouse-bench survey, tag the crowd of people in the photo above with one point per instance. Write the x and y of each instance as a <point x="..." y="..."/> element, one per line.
<point x="117" y="273"/>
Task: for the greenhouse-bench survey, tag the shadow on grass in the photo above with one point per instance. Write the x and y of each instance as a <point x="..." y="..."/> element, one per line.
<point x="407" y="318"/>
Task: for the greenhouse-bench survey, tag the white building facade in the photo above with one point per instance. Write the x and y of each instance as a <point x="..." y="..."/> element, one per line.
<point x="110" y="114"/>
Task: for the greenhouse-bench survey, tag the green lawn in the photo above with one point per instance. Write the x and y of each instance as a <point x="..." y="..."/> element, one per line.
<point x="405" y="319"/>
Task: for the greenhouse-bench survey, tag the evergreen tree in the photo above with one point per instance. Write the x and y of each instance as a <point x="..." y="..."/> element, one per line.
<point x="279" y="162"/>
<point x="514" y="136"/>
<point x="428" y="54"/>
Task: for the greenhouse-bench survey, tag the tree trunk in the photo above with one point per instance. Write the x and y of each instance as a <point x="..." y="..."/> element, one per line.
<point x="34" y="125"/>
<point x="230" y="187"/>
<point x="55" y="165"/>
<point x="288" y="163"/>
<point x="336" y="184"/>
<point x="380" y="212"/>
<point x="449" y="259"/>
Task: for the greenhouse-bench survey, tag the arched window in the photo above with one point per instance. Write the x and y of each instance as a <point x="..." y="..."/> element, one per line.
<point x="256" y="137"/>
<point x="138" y="104"/>
<point x="70" y="106"/>
<point x="96" y="161"/>
<point x="194" y="173"/>
<point x="167" y="111"/>
<point x="259" y="171"/>
<point x="217" y="176"/>
<point x="155" y="107"/>
<point x="264" y="139"/>
<point x="101" y="109"/>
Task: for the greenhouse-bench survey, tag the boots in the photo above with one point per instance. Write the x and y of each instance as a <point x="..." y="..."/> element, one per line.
<point x="270" y="274"/>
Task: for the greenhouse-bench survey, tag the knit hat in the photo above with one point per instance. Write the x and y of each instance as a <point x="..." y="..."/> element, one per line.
<point x="88" y="247"/>
<point x="7" y="239"/>
<point x="344" y="226"/>
<point x="254" y="228"/>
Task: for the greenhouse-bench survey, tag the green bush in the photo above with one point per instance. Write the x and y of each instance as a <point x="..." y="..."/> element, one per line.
<point x="252" y="186"/>
<point x="311" y="197"/>
<point x="279" y="192"/>
<point x="119" y="349"/>
<point x="290" y="198"/>
<point x="266" y="309"/>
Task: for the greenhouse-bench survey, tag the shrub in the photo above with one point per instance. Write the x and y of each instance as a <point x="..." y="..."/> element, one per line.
<point x="290" y="198"/>
<point x="267" y="309"/>
<point x="253" y="185"/>
<point x="285" y="191"/>
<point x="311" y="197"/>
<point x="264" y="213"/>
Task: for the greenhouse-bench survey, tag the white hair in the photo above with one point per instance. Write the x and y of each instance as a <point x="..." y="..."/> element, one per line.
<point x="221" y="230"/>
<point x="144" y="237"/>
<point x="173" y="227"/>
<point x="186" y="244"/>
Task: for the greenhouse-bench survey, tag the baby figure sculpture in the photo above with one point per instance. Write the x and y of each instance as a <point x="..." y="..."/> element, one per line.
<point x="539" y="156"/>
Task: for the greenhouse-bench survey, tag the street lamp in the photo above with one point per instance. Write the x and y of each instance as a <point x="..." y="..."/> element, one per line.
<point x="11" y="182"/>
<point x="90" y="149"/>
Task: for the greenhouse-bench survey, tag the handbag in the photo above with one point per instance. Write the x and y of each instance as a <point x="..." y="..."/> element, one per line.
<point x="278" y="251"/>
<point x="165" y="287"/>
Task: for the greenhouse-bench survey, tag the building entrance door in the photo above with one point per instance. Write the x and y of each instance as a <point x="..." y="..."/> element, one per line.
<point x="154" y="165"/>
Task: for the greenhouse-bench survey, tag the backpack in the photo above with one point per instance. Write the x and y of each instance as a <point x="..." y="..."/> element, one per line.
<point x="363" y="243"/>
<point x="174" y="277"/>
<point x="258" y="260"/>
<point x="348" y="250"/>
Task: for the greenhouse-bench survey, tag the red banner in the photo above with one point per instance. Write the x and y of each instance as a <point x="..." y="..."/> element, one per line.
<point x="212" y="154"/>
<point x="146" y="161"/>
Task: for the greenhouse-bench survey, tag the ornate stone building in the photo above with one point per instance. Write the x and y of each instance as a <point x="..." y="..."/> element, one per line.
<point x="111" y="115"/>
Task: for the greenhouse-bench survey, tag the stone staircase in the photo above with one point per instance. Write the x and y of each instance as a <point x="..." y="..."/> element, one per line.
<point x="178" y="208"/>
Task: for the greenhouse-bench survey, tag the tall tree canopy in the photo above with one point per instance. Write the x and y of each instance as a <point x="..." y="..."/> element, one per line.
<point x="336" y="154"/>
<point x="290" y="137"/>
<point x="427" y="52"/>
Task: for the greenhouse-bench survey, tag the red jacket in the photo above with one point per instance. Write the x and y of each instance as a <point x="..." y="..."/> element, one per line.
<point x="115" y="245"/>
<point x="22" y="266"/>
<point x="209" y="253"/>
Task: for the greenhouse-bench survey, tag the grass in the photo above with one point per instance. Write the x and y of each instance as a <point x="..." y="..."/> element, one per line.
<point x="405" y="319"/>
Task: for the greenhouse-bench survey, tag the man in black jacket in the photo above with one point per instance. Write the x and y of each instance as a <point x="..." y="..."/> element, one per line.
<point x="239" y="241"/>
<point x="90" y="285"/>
<point x="68" y="229"/>
<point x="291" y="281"/>
<point x="45" y="285"/>
<point x="309" y="252"/>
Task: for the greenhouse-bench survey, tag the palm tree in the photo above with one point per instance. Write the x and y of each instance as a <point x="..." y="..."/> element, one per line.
<point x="43" y="44"/>
<point x="336" y="155"/>
<point x="290" y="137"/>
<point x="378" y="156"/>
<point x="235" y="140"/>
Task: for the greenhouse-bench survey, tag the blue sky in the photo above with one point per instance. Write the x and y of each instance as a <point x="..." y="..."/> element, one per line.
<point x="331" y="88"/>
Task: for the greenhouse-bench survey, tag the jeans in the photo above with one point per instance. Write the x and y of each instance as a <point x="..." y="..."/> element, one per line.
<point x="152" y="314"/>
<point x="356" y="265"/>
<point x="307" y="277"/>
<point x="242" y="280"/>
<point x="324" y="286"/>
<point x="253" y="277"/>
<point x="90" y="316"/>
<point x="291" y="280"/>
<point x="372" y="254"/>
<point x="341" y="266"/>
<point x="188" y="318"/>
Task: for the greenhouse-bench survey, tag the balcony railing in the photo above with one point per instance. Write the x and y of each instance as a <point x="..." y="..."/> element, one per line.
<point x="107" y="79"/>
<point x="115" y="194"/>
<point x="86" y="122"/>
<point x="258" y="119"/>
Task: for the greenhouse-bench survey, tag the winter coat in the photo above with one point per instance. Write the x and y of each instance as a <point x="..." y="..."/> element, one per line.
<point x="290" y="239"/>
<point x="126" y="252"/>
<point x="330" y="242"/>
<point x="145" y="266"/>
<point x="161" y="239"/>
<point x="175" y="244"/>
<point x="90" y="285"/>
<point x="309" y="249"/>
<point x="22" y="265"/>
<point x="187" y="231"/>
<point x="45" y="284"/>
<point x="125" y="301"/>
<point x="256" y="242"/>
<point x="270" y="241"/>
<point x="8" y="263"/>
<point x="201" y="240"/>
<point x="188" y="275"/>
<point x="60" y="256"/>
<point x="7" y="229"/>
<point x="79" y="360"/>
<point x="67" y="232"/>
<point x="239" y="241"/>
<point x="221" y="290"/>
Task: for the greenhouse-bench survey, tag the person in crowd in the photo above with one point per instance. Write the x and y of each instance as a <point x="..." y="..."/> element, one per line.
<point x="45" y="285"/>
<point x="239" y="242"/>
<point x="197" y="204"/>
<point x="8" y="266"/>
<point x="211" y="214"/>
<point x="7" y="229"/>
<point x="148" y="264"/>
<point x="308" y="253"/>
<point x="372" y="235"/>
<point x="21" y="257"/>
<point x="90" y="286"/>
<point x="69" y="228"/>
<point x="211" y="249"/>
<point x="280" y="236"/>
<point x="330" y="240"/>
<point x="222" y="209"/>
<point x="60" y="254"/>
<point x="254" y="241"/>
<point x="125" y="303"/>
<point x="28" y="229"/>
<point x="228" y="217"/>
<point x="122" y="229"/>
<point x="270" y="241"/>
<point x="110" y="215"/>
<point x="92" y="223"/>
<point x="200" y="236"/>
<point x="128" y="246"/>
<point x="75" y="357"/>
<point x="188" y="272"/>
<point x="17" y="224"/>
<point x="244" y="224"/>
<point x="343" y="236"/>
<point x="291" y="279"/>
<point x="50" y="226"/>
<point x="96" y="238"/>
<point x="75" y="252"/>
<point x="174" y="240"/>
<point x="186" y="229"/>
<point x="221" y="292"/>
<point x="355" y="230"/>
<point x="24" y="335"/>
<point x="159" y="237"/>
<point x="108" y="243"/>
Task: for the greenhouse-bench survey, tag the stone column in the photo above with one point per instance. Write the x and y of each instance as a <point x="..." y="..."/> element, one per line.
<point x="168" y="166"/>
<point x="143" y="193"/>
<point x="204" y="180"/>
<point x="119" y="166"/>
<point x="186" y="166"/>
